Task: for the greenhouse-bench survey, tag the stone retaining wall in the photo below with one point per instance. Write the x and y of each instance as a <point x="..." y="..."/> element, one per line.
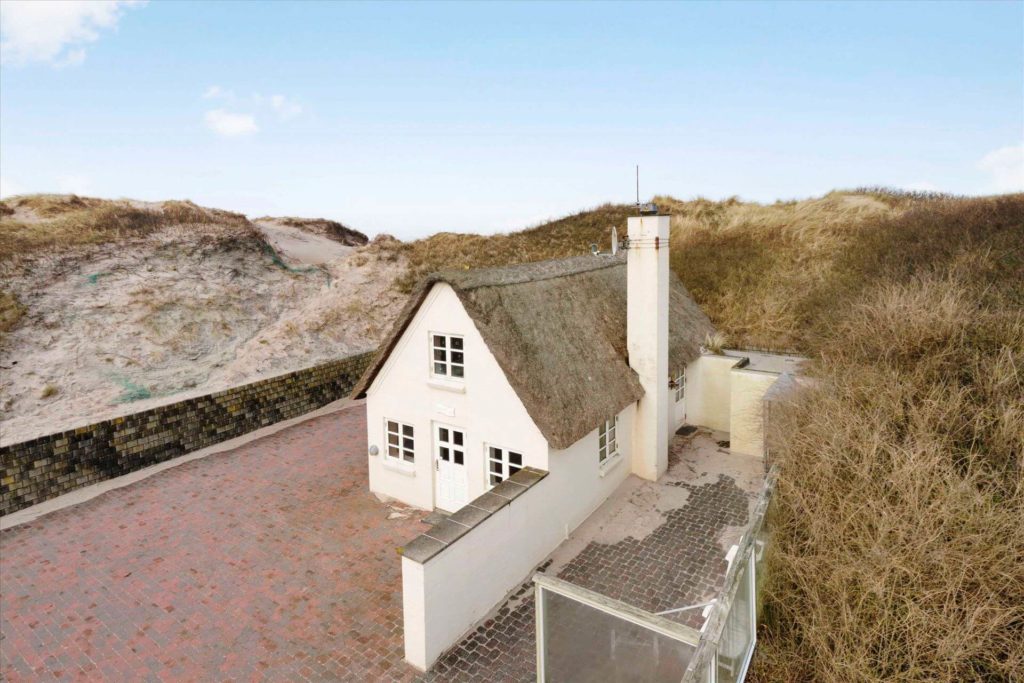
<point x="48" y="466"/>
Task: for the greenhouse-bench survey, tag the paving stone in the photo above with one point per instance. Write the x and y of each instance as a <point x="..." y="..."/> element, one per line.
<point x="274" y="562"/>
<point x="254" y="564"/>
<point x="680" y="563"/>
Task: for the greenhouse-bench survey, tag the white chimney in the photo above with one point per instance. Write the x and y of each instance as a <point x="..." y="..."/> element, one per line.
<point x="647" y="339"/>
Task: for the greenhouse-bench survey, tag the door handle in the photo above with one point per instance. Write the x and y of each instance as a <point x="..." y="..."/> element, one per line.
<point x="437" y="466"/>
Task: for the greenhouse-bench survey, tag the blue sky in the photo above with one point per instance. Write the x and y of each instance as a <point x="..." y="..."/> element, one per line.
<point x="414" y="118"/>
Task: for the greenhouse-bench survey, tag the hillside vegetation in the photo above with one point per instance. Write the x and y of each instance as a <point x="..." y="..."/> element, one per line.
<point x="898" y="526"/>
<point x="35" y="222"/>
<point x="775" y="275"/>
<point x="112" y="306"/>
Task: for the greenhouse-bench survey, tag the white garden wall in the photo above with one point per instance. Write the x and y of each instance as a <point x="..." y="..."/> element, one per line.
<point x="726" y="393"/>
<point x="746" y="413"/>
<point x="445" y="596"/>
<point x="709" y="391"/>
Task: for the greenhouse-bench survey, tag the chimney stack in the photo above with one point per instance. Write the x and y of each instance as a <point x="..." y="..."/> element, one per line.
<point x="647" y="339"/>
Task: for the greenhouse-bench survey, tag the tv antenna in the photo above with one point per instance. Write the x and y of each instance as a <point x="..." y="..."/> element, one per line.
<point x="650" y="207"/>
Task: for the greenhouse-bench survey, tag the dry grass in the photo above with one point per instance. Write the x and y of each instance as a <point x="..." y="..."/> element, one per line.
<point x="754" y="268"/>
<point x="715" y="343"/>
<point x="898" y="527"/>
<point x="53" y="222"/>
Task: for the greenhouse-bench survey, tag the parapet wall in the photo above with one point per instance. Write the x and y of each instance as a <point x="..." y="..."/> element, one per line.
<point x="48" y="466"/>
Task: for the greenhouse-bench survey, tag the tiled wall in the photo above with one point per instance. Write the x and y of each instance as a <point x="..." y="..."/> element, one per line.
<point x="48" y="466"/>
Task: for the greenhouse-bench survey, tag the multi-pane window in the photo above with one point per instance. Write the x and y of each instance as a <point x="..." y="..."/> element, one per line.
<point x="680" y="387"/>
<point x="400" y="441"/>
<point x="607" y="440"/>
<point x="447" y="355"/>
<point x="502" y="464"/>
<point x="451" y="445"/>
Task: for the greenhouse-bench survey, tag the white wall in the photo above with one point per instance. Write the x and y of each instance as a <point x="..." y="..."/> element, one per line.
<point x="484" y="405"/>
<point x="748" y="388"/>
<point x="708" y="391"/>
<point x="727" y="398"/>
<point x="445" y="597"/>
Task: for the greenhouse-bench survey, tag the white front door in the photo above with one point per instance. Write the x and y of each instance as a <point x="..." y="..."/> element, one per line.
<point x="452" y="484"/>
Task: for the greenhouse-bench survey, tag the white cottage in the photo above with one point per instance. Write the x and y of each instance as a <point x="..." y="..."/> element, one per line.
<point x="518" y="399"/>
<point x="550" y="365"/>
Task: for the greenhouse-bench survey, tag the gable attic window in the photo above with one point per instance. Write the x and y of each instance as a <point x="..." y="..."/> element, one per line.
<point x="607" y="440"/>
<point x="400" y="441"/>
<point x="502" y="464"/>
<point x="447" y="359"/>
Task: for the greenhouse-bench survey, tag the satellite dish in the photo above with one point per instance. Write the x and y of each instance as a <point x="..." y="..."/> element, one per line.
<point x="615" y="241"/>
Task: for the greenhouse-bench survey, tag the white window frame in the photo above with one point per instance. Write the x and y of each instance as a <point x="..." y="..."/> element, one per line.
<point x="503" y="461"/>
<point x="681" y="387"/>
<point x="445" y="350"/>
<point x="406" y="455"/>
<point x="609" y="451"/>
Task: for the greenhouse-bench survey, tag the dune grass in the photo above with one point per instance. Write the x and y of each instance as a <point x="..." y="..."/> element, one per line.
<point x="34" y="223"/>
<point x="898" y="524"/>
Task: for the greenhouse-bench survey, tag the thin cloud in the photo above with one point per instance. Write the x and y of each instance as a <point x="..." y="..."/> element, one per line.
<point x="1005" y="167"/>
<point x="285" y="108"/>
<point x="55" y="32"/>
<point x="230" y="124"/>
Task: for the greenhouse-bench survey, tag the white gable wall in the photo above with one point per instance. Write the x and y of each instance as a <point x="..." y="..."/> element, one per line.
<point x="484" y="405"/>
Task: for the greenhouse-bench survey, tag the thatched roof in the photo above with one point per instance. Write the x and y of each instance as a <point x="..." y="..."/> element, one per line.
<point x="558" y="331"/>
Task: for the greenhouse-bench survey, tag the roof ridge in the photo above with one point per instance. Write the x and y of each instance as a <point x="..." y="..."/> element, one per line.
<point x="531" y="271"/>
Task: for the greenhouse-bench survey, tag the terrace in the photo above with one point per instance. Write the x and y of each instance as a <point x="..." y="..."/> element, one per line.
<point x="272" y="561"/>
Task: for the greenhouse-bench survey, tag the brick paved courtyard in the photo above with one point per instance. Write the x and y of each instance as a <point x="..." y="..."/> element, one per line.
<point x="656" y="546"/>
<point x="269" y="562"/>
<point x="274" y="562"/>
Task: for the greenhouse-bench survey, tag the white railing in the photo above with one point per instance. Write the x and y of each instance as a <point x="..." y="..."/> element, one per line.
<point x="729" y="635"/>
